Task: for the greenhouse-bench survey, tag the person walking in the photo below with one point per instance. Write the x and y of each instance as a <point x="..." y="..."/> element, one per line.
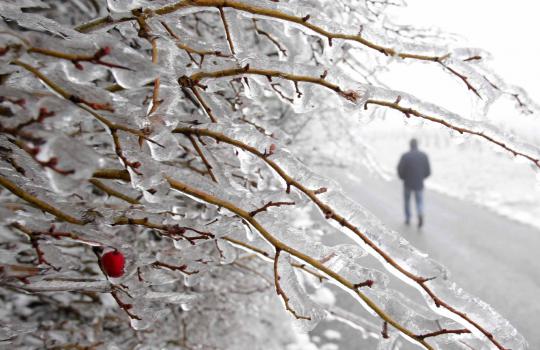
<point x="413" y="168"/>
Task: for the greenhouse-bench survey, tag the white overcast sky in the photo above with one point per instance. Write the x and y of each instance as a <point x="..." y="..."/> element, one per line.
<point x="510" y="30"/>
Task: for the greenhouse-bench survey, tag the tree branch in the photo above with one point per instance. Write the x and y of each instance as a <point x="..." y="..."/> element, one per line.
<point x="268" y="205"/>
<point x="203" y="158"/>
<point x="181" y="268"/>
<point x="444" y="331"/>
<point x="353" y="96"/>
<point x="40" y="204"/>
<point x="331" y="214"/>
<point x="412" y="112"/>
<point x="226" y="27"/>
<point x="280" y="292"/>
<point x="179" y="186"/>
<point x="113" y="192"/>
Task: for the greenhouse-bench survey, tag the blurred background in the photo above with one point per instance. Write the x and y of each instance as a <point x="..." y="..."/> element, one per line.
<point x="482" y="204"/>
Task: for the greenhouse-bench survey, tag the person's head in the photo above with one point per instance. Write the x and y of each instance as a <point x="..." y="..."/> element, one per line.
<point x="414" y="144"/>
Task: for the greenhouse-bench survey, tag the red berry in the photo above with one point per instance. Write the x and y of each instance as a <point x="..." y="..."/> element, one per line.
<point x="113" y="263"/>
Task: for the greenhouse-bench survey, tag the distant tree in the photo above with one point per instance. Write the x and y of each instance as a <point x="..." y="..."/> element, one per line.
<point x="153" y="166"/>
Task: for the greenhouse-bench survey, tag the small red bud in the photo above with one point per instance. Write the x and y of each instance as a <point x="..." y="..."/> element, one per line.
<point x="106" y="50"/>
<point x="320" y="190"/>
<point x="176" y="230"/>
<point x="20" y="102"/>
<point x="113" y="263"/>
<point x="34" y="151"/>
<point x="52" y="162"/>
<point x="369" y="283"/>
<point x="44" y="113"/>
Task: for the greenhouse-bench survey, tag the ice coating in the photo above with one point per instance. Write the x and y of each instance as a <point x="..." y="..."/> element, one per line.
<point x="401" y="251"/>
<point x="303" y="307"/>
<point x="110" y="161"/>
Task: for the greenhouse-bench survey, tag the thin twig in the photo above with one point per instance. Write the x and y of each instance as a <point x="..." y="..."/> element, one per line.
<point x="181" y="268"/>
<point x="268" y="205"/>
<point x="112" y="192"/>
<point x="227" y="31"/>
<point x="353" y="96"/>
<point x="269" y="37"/>
<point x="280" y="291"/>
<point x="203" y="158"/>
<point x="444" y="331"/>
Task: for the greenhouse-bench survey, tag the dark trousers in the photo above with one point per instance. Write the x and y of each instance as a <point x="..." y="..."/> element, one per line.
<point x="419" y="199"/>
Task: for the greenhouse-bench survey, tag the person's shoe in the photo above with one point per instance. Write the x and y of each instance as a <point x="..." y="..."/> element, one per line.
<point x="407" y="222"/>
<point x="420" y="221"/>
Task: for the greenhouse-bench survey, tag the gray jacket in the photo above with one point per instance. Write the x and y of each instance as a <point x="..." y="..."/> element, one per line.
<point x="413" y="168"/>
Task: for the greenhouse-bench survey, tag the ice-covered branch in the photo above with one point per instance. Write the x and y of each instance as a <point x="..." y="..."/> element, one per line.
<point x="302" y="21"/>
<point x="265" y="12"/>
<point x="354" y="96"/>
<point x="281" y="292"/>
<point x="408" y="112"/>
<point x="151" y="156"/>
<point x="112" y="192"/>
<point x="19" y="192"/>
<point x="96" y="58"/>
<point x="177" y="185"/>
<point x="331" y="213"/>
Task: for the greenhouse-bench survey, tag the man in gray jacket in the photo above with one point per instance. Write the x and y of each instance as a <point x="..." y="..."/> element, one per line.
<point x="413" y="168"/>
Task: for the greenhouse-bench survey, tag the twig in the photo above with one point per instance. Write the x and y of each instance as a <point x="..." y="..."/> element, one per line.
<point x="462" y="77"/>
<point x="155" y="94"/>
<point x="384" y="331"/>
<point x="280" y="291"/>
<point x="68" y="96"/>
<point x="52" y="163"/>
<point x="203" y="158"/>
<point x="269" y="37"/>
<point x="181" y="268"/>
<point x="444" y="331"/>
<point x="34" y="241"/>
<point x="265" y="12"/>
<point x="90" y="107"/>
<point x="124" y="306"/>
<point x="190" y="50"/>
<point x="113" y="192"/>
<point x="226" y="27"/>
<point x="19" y="192"/>
<point x="96" y="58"/>
<point x="301" y="21"/>
<point x="175" y="232"/>
<point x="187" y="83"/>
<point x="268" y="205"/>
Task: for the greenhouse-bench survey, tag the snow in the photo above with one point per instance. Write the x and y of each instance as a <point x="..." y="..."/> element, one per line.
<point x="323" y="296"/>
<point x="332" y="334"/>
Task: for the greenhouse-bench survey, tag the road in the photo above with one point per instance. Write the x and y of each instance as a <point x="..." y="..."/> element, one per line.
<point x="490" y="256"/>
